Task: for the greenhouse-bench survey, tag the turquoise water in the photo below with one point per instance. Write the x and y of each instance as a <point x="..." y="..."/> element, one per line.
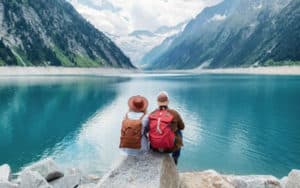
<point x="242" y="124"/>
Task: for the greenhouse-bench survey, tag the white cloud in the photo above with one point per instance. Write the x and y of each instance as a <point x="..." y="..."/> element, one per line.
<point x="125" y="16"/>
<point x="119" y="18"/>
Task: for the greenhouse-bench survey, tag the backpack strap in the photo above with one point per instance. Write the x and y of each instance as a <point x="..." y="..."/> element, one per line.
<point x="141" y="118"/>
<point x="126" y="116"/>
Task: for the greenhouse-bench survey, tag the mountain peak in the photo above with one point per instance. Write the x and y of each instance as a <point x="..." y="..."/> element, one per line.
<point x="233" y="33"/>
<point x="52" y="33"/>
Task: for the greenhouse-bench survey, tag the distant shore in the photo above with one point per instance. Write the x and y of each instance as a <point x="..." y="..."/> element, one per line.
<point x="52" y="71"/>
<point x="279" y="70"/>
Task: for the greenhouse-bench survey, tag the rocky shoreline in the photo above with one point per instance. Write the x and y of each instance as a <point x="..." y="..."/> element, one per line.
<point x="70" y="71"/>
<point x="47" y="174"/>
<point x="212" y="179"/>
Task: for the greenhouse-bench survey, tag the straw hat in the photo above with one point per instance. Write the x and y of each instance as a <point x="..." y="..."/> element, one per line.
<point x="138" y="103"/>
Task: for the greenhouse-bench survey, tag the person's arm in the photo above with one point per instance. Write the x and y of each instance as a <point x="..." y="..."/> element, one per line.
<point x="177" y="120"/>
<point x="180" y="122"/>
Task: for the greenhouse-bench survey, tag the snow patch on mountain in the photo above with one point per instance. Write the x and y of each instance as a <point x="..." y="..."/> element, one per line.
<point x="137" y="26"/>
<point x="217" y="17"/>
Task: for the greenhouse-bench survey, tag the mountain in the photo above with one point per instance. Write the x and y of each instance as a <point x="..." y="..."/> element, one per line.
<point x="43" y="32"/>
<point x="138" y="26"/>
<point x="156" y="52"/>
<point x="234" y="33"/>
<point x="137" y="43"/>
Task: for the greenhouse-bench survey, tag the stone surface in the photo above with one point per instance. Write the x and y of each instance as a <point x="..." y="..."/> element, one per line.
<point x="283" y="181"/>
<point x="7" y="184"/>
<point x="89" y="185"/>
<point x="47" y="168"/>
<point x="293" y="180"/>
<point x="32" y="179"/>
<point x="152" y="170"/>
<point x="5" y="172"/>
<point x="90" y="179"/>
<point x="71" y="179"/>
<point x="254" y="181"/>
<point x="207" y="179"/>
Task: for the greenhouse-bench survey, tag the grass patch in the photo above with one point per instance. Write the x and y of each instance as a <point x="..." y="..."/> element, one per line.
<point x="20" y="57"/>
<point x="271" y="62"/>
<point x="65" y="61"/>
<point x="83" y="61"/>
<point x="2" y="63"/>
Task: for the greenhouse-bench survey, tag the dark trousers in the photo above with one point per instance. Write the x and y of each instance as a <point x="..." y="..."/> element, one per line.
<point x="176" y="153"/>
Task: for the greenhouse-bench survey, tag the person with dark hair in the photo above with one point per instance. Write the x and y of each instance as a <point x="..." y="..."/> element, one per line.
<point x="165" y="128"/>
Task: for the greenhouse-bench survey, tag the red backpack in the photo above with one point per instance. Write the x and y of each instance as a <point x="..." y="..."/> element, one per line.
<point x="160" y="134"/>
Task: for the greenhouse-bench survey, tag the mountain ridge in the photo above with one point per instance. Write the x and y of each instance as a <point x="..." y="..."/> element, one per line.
<point x="236" y="38"/>
<point x="52" y="33"/>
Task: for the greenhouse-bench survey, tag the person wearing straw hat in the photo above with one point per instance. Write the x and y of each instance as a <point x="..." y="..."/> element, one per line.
<point x="133" y="140"/>
<point x="165" y="126"/>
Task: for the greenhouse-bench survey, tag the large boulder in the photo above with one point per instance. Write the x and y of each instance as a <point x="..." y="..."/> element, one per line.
<point x="32" y="179"/>
<point x="47" y="168"/>
<point x="283" y="181"/>
<point x="71" y="179"/>
<point x="207" y="179"/>
<point x="254" y="181"/>
<point x="151" y="170"/>
<point x="5" y="172"/>
<point x="7" y="184"/>
<point x="88" y="185"/>
<point x="293" y="180"/>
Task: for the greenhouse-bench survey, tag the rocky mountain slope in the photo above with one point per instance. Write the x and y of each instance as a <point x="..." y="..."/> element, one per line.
<point x="234" y="34"/>
<point x="41" y="33"/>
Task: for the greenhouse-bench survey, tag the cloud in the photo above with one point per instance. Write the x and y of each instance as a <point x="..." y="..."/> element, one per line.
<point x="125" y="20"/>
<point x="121" y="17"/>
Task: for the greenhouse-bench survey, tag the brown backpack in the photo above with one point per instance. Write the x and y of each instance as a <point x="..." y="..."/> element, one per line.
<point x="131" y="133"/>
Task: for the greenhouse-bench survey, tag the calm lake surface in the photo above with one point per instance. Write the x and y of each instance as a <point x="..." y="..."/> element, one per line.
<point x="242" y="124"/>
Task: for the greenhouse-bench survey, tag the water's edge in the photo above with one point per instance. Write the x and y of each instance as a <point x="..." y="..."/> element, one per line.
<point x="42" y="170"/>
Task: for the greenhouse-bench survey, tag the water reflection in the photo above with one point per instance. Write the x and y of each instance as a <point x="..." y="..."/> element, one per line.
<point x="36" y="115"/>
<point x="246" y="124"/>
<point x="234" y="124"/>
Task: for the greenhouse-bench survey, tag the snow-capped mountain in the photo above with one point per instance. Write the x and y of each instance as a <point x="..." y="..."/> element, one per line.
<point x="231" y="34"/>
<point x="138" y="26"/>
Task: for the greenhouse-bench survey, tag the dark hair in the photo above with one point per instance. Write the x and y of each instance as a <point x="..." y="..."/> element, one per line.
<point x="163" y="107"/>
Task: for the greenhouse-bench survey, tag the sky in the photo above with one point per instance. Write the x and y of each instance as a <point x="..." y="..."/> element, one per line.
<point x="121" y="17"/>
<point x="118" y="19"/>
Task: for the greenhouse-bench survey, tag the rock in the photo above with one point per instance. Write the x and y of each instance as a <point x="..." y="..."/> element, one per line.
<point x="71" y="179"/>
<point x="254" y="181"/>
<point x="5" y="172"/>
<point x="89" y="185"/>
<point x="7" y="184"/>
<point x="149" y="170"/>
<point x="283" y="181"/>
<point x="91" y="178"/>
<point x="293" y="180"/>
<point x="32" y="179"/>
<point x="207" y="179"/>
<point x="47" y="168"/>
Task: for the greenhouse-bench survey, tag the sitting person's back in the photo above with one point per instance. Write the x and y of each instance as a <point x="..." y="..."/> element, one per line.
<point x="133" y="140"/>
<point x="166" y="127"/>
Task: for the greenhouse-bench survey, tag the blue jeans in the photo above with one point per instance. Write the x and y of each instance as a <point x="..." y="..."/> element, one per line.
<point x="176" y="154"/>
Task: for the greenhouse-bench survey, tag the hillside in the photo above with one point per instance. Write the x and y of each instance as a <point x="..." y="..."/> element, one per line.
<point x="42" y="33"/>
<point x="235" y="34"/>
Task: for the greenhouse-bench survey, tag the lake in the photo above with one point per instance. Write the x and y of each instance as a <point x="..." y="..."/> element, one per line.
<point x="241" y="124"/>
